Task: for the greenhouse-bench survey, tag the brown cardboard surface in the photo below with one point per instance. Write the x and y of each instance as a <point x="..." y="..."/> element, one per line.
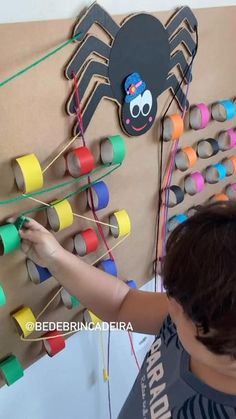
<point x="33" y="119"/>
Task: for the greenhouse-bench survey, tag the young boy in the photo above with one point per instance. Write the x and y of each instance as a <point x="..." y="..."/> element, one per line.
<point x="190" y="370"/>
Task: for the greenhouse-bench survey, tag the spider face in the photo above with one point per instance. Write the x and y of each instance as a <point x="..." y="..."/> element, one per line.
<point x="139" y="114"/>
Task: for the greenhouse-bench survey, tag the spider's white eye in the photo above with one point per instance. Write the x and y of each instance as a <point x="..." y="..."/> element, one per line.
<point x="146" y="104"/>
<point x="135" y="106"/>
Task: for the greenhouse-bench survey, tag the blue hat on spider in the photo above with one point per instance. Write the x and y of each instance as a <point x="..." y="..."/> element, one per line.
<point x="134" y="86"/>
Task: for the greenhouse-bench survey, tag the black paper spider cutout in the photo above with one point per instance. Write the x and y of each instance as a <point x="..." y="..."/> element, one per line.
<point x="137" y="65"/>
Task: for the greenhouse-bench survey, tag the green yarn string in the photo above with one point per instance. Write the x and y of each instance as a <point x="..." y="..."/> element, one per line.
<point x="76" y="192"/>
<point x="35" y="63"/>
<point x="52" y="188"/>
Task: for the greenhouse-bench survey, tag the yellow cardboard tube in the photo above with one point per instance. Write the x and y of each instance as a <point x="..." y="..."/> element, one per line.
<point x="90" y="317"/>
<point x="25" y="320"/>
<point x="60" y="215"/>
<point x="28" y="173"/>
<point x="121" y="220"/>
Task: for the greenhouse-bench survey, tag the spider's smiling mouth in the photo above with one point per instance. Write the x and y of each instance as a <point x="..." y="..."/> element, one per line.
<point x="140" y="128"/>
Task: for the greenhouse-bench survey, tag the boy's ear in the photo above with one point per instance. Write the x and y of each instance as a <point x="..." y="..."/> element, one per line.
<point x="175" y="309"/>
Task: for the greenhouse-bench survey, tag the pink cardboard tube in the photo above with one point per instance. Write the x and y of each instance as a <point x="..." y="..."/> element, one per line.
<point x="232" y="136"/>
<point x="205" y="114"/>
<point x="199" y="180"/>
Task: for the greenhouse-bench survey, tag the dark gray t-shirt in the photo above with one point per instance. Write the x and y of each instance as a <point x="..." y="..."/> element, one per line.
<point x="166" y="388"/>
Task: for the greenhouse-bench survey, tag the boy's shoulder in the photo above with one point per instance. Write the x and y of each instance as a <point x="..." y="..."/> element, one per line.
<point x="166" y="388"/>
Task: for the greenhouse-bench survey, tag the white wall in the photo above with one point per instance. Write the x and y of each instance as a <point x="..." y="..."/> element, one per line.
<point x="70" y="385"/>
<point x="23" y="10"/>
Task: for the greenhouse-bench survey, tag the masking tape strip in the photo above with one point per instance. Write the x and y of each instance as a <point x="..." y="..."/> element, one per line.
<point x="207" y="148"/>
<point x="194" y="183"/>
<point x="69" y="301"/>
<point x="86" y="242"/>
<point x="108" y="266"/>
<point x="219" y="197"/>
<point x="121" y="220"/>
<point x="230" y="191"/>
<point x="3" y="298"/>
<point x="215" y="173"/>
<point x="223" y="110"/>
<point x="23" y="318"/>
<point x="175" y="221"/>
<point x="230" y="165"/>
<point x="60" y="215"/>
<point x="100" y="194"/>
<point x="9" y="239"/>
<point x="80" y="161"/>
<point x="53" y="345"/>
<point x="199" y="116"/>
<point x="227" y="139"/>
<point x="173" y="127"/>
<point x="11" y="369"/>
<point x="37" y="274"/>
<point x="176" y="196"/>
<point x="113" y="150"/>
<point x="185" y="158"/>
<point x="28" y="173"/>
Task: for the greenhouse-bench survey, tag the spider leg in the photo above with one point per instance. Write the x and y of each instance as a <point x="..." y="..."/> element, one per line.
<point x="89" y="46"/>
<point x="184" y="14"/>
<point x="94" y="68"/>
<point x="96" y="14"/>
<point x="183" y="37"/>
<point x="178" y="59"/>
<point x="102" y="90"/>
<point x="174" y="86"/>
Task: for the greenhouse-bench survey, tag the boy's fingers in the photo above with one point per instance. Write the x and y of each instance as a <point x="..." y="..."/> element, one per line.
<point x="29" y="235"/>
<point x="29" y="224"/>
<point x="33" y="225"/>
<point x="25" y="245"/>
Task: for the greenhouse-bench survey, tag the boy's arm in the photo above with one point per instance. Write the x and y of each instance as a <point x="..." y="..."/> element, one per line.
<point x="145" y="310"/>
<point x="107" y="296"/>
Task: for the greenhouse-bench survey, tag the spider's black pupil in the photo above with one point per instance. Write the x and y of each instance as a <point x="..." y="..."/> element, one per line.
<point x="146" y="108"/>
<point x="135" y="110"/>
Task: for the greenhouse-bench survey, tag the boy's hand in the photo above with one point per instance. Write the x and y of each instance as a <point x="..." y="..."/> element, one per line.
<point x="39" y="244"/>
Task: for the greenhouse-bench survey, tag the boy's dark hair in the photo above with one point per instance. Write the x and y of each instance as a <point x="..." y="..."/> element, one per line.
<point x="199" y="272"/>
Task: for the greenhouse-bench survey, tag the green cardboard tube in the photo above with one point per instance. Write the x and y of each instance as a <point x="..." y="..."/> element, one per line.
<point x="113" y="150"/>
<point x="9" y="239"/>
<point x="74" y="301"/>
<point x="2" y="296"/>
<point x="20" y="221"/>
<point x="11" y="369"/>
